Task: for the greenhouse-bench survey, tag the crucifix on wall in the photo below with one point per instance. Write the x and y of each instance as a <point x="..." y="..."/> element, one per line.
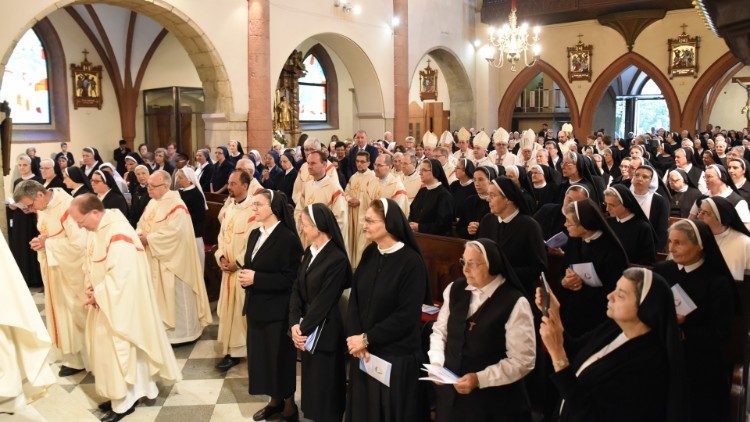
<point x="745" y="83"/>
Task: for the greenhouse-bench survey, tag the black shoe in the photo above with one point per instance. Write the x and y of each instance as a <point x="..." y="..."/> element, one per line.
<point x="113" y="416"/>
<point x="294" y="417"/>
<point x="66" y="371"/>
<point x="227" y="363"/>
<point x="106" y="406"/>
<point x="268" y="411"/>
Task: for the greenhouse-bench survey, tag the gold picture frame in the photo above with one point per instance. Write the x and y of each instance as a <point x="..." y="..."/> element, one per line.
<point x="579" y="61"/>
<point x="683" y="55"/>
<point x="428" y="83"/>
<point x="87" y="84"/>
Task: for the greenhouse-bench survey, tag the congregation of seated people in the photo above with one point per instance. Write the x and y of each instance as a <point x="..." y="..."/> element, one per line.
<point x="573" y="251"/>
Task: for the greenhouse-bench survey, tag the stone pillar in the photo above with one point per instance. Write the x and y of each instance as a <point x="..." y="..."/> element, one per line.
<point x="401" y="71"/>
<point x="259" y="116"/>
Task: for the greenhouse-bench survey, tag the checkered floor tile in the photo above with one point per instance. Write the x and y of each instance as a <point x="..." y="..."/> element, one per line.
<point x="205" y="394"/>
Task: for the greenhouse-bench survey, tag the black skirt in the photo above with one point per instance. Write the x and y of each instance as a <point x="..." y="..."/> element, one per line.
<point x="371" y="401"/>
<point x="21" y="229"/>
<point x="323" y="386"/>
<point x="271" y="359"/>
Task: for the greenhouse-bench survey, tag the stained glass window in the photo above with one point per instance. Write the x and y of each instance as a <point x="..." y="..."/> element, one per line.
<point x="312" y="92"/>
<point x="25" y="83"/>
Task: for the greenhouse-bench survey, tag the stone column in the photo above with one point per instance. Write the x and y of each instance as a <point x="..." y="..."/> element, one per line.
<point x="259" y="116"/>
<point x="401" y="71"/>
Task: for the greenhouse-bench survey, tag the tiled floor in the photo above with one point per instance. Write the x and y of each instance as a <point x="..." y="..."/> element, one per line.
<point x="205" y="394"/>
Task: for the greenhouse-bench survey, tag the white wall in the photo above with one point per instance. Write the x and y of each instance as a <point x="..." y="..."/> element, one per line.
<point x="731" y="99"/>
<point x="442" y="87"/>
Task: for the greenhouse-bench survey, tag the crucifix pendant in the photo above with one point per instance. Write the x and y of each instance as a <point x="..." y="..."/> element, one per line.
<point x="471" y="325"/>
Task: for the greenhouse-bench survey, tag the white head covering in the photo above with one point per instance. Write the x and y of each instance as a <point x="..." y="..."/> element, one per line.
<point x="568" y="128"/>
<point x="500" y="135"/>
<point x="481" y="249"/>
<point x="120" y="181"/>
<point x="429" y="140"/>
<point x="695" y="230"/>
<point x="446" y="138"/>
<point x="648" y="278"/>
<point x="527" y="139"/>
<point x="385" y="206"/>
<point x="482" y="140"/>
<point x="193" y="178"/>
<point x="310" y="213"/>
<point x="463" y="134"/>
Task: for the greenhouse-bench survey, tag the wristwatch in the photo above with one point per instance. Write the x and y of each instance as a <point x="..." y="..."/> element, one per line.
<point x="364" y="340"/>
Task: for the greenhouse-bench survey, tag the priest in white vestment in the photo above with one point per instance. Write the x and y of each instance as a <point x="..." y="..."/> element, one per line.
<point x="125" y="339"/>
<point x="358" y="199"/>
<point x="237" y="222"/>
<point x="303" y="174"/>
<point x="164" y="229"/>
<point x="411" y="178"/>
<point x="60" y="250"/>
<point x="24" y="342"/>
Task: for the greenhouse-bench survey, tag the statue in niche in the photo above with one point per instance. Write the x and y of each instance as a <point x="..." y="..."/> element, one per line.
<point x="283" y="112"/>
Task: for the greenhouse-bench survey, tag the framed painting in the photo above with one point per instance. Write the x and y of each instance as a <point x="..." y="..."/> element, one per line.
<point x="683" y="55"/>
<point x="87" y="84"/>
<point x="428" y="83"/>
<point x="579" y="62"/>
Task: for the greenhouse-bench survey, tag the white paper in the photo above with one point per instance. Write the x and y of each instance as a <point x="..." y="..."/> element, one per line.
<point x="310" y="342"/>
<point x="50" y="247"/>
<point x="586" y="271"/>
<point x="437" y="373"/>
<point x="557" y="241"/>
<point x="377" y="368"/>
<point x="682" y="302"/>
<point x="430" y="310"/>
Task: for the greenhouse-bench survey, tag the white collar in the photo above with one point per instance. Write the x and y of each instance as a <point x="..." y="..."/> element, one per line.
<point x="626" y="219"/>
<point x="509" y="218"/>
<point x="725" y="192"/>
<point x="288" y="171"/>
<point x="490" y="288"/>
<point x="741" y="184"/>
<point x="30" y="176"/>
<point x="692" y="267"/>
<point x="594" y="236"/>
<point x="101" y="197"/>
<point x="467" y="183"/>
<point x="396" y="247"/>
<point x="540" y="186"/>
<point x="434" y="185"/>
<point x="267" y="231"/>
<point x="187" y="188"/>
<point x="315" y="251"/>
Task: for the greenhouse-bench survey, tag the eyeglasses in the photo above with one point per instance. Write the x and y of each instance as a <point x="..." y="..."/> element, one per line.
<point x="425" y="170"/>
<point x="96" y="181"/>
<point x="258" y="204"/>
<point x="493" y="195"/>
<point x="469" y="265"/>
<point x="150" y="186"/>
<point x="706" y="213"/>
<point x="370" y="222"/>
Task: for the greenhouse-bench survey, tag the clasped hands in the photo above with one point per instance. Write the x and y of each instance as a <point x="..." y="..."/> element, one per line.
<point x="245" y="277"/>
<point x="356" y="347"/>
<point x="90" y="299"/>
<point x="297" y="337"/>
<point x="37" y="243"/>
<point x="571" y="281"/>
<point x="227" y="266"/>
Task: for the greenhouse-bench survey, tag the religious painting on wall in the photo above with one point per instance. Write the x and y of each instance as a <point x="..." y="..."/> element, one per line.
<point x="683" y="55"/>
<point x="87" y="84"/>
<point x="579" y="61"/>
<point x="428" y="83"/>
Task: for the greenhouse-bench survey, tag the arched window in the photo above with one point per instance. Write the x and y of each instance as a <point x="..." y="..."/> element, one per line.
<point x="650" y="88"/>
<point x="318" y="91"/>
<point x="26" y="83"/>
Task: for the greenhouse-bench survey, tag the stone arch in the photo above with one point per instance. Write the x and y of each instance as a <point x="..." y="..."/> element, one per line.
<point x="216" y="85"/>
<point x="459" y="85"/>
<point x="703" y="86"/>
<point x="508" y="102"/>
<point x="601" y="84"/>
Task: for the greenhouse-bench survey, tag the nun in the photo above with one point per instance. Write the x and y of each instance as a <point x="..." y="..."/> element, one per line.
<point x="719" y="183"/>
<point x="551" y="217"/>
<point x="543" y="188"/>
<point x="139" y="196"/>
<point x="383" y="318"/>
<point x="22" y="228"/>
<point x="683" y="159"/>
<point x="91" y="160"/>
<point x="461" y="190"/>
<point x="683" y="193"/>
<point x="485" y="334"/>
<point x="731" y="235"/>
<point x="628" y="368"/>
<point x="222" y="169"/>
<point x="592" y="243"/>
<point x="576" y="171"/>
<point x="272" y="259"/>
<point x="645" y="182"/>
<point x="740" y="173"/>
<point x="106" y="189"/>
<point x="471" y="211"/>
<point x="516" y="233"/>
<point x="431" y="211"/>
<point x="630" y="224"/>
<point x="76" y="181"/>
<point x="696" y="265"/>
<point x="315" y="318"/>
<point x="121" y="183"/>
<point x="189" y="188"/>
<point x="520" y="178"/>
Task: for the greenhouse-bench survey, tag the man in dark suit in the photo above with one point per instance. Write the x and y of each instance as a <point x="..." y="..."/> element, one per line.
<point x="361" y="144"/>
<point x="120" y="153"/>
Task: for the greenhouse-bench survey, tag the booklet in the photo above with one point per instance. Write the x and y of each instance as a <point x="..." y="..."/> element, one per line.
<point x="437" y="373"/>
<point x="430" y="310"/>
<point x="682" y="302"/>
<point x="377" y="368"/>
<point x="557" y="241"/>
<point x="586" y="271"/>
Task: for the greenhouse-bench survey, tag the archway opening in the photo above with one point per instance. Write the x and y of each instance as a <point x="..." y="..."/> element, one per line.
<point x="541" y="102"/>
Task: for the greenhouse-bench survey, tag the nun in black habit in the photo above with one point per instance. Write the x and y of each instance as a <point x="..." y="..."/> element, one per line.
<point x="630" y="224"/>
<point x="551" y="217"/>
<point x="645" y="182"/>
<point x="471" y="211"/>
<point x="105" y="187"/>
<point x="543" y="188"/>
<point x="431" y="210"/>
<point x="313" y="311"/>
<point x="271" y="263"/>
<point x="76" y="181"/>
<point x="22" y="228"/>
<point x="383" y="318"/>
<point x="683" y="193"/>
<point x="630" y="367"/>
<point x="517" y="234"/>
<point x="91" y="161"/>
<point x="463" y="188"/>
<point x="697" y="265"/>
<point x="591" y="241"/>
<point x="575" y="169"/>
<point x="477" y="334"/>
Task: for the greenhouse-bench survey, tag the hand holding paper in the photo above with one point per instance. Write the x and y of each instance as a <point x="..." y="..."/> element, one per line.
<point x="588" y="275"/>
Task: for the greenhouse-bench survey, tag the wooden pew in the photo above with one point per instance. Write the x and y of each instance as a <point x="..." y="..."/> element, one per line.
<point x="738" y="352"/>
<point x="441" y="255"/>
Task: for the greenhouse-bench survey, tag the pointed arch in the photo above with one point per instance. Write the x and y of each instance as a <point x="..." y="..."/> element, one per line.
<point x="508" y="102"/>
<point x="708" y="80"/>
<point x="600" y="85"/>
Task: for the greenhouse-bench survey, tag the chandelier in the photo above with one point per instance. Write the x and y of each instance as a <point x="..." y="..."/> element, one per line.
<point x="510" y="42"/>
